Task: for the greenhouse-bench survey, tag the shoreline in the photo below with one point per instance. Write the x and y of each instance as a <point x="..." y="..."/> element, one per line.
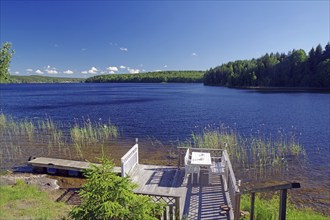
<point x="283" y="89"/>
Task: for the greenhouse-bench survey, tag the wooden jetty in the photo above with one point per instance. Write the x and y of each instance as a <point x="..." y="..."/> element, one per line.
<point x="210" y="197"/>
<point x="61" y="164"/>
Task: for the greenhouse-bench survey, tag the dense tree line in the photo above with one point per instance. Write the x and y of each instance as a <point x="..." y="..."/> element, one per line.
<point x="295" y="69"/>
<point x="151" y="77"/>
<point x="43" y="79"/>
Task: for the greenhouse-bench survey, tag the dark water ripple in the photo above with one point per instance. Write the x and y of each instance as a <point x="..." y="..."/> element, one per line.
<point x="171" y="112"/>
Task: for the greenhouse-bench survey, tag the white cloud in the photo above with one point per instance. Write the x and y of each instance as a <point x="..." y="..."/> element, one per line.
<point x="123" y="49"/>
<point x="50" y="70"/>
<point x="83" y="49"/>
<point x="84" y="72"/>
<point x="93" y="70"/>
<point x="29" y="70"/>
<point x="16" y="73"/>
<point x="165" y="66"/>
<point x="158" y="70"/>
<point x="68" y="72"/>
<point x="39" y="72"/>
<point x="111" y="72"/>
<point x="122" y="67"/>
<point x="194" y="54"/>
<point x="112" y="68"/>
<point x="133" y="71"/>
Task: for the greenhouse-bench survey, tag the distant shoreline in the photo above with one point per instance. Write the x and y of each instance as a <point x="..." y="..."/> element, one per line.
<point x="284" y="89"/>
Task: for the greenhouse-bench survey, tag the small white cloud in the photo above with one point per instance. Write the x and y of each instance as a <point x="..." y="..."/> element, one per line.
<point x="158" y="70"/>
<point x="194" y="54"/>
<point x="84" y="72"/>
<point x="93" y="70"/>
<point x="51" y="71"/>
<point x="39" y="72"/>
<point x="123" y="49"/>
<point x="112" y="68"/>
<point x="122" y="67"/>
<point x="165" y="66"/>
<point x="68" y="72"/>
<point x="111" y="72"/>
<point x="83" y="49"/>
<point x="55" y="45"/>
<point x="15" y="73"/>
<point x="29" y="70"/>
<point x="133" y="71"/>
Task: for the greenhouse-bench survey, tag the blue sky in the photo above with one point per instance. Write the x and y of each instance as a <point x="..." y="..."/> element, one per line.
<point x="85" y="38"/>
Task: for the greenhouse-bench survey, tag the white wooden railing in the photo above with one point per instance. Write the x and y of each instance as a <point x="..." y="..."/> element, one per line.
<point x="130" y="160"/>
<point x="231" y="185"/>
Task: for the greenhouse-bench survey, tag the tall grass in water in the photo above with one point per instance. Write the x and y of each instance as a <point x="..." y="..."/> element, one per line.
<point x="260" y="155"/>
<point x="90" y="133"/>
<point x="23" y="138"/>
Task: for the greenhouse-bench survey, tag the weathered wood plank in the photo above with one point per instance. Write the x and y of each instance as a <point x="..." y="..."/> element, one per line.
<point x="62" y="164"/>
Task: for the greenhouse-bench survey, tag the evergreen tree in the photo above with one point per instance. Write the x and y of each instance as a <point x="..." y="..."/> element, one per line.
<point x="111" y="197"/>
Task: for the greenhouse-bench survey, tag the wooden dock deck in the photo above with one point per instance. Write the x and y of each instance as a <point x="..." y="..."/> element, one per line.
<point x="168" y="184"/>
<point x="198" y="201"/>
<point x="61" y="164"/>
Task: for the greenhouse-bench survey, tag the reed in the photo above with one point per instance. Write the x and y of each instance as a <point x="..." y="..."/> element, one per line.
<point x="259" y="154"/>
<point x="27" y="137"/>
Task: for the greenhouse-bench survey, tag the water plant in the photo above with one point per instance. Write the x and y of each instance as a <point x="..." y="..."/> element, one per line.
<point x="20" y="138"/>
<point x="258" y="154"/>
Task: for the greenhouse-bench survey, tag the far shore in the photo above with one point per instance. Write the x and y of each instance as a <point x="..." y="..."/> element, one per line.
<point x="284" y="89"/>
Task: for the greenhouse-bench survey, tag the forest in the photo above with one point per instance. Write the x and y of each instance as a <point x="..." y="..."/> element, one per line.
<point x="43" y="79"/>
<point x="151" y="77"/>
<point x="294" y="69"/>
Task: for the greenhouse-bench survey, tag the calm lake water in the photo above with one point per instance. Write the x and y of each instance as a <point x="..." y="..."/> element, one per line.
<point x="171" y="112"/>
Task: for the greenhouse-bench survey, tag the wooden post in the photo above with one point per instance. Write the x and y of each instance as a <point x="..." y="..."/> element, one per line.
<point x="177" y="208"/>
<point x="283" y="197"/>
<point x="237" y="208"/>
<point x="171" y="214"/>
<point x="252" y="206"/>
<point x="137" y="150"/>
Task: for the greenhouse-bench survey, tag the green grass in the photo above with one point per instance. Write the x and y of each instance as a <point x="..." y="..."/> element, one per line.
<point x="23" y="201"/>
<point x="269" y="209"/>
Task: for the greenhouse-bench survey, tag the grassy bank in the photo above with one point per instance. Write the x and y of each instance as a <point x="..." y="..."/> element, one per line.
<point x="269" y="209"/>
<point x="23" y="201"/>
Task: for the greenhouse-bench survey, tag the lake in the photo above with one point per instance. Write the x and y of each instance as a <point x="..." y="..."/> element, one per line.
<point x="171" y="112"/>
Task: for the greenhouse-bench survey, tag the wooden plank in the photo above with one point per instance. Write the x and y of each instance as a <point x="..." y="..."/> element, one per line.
<point x="274" y="188"/>
<point x="62" y="164"/>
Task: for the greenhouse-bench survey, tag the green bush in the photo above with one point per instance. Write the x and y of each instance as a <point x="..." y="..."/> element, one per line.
<point x="108" y="196"/>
